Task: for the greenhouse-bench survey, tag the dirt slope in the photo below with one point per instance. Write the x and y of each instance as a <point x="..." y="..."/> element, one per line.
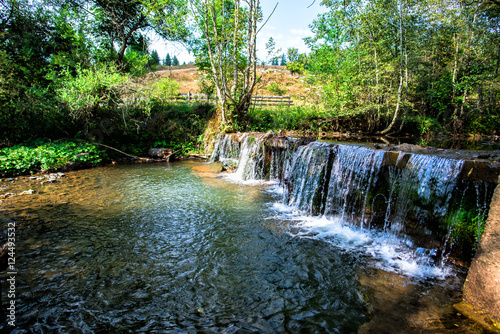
<point x="188" y="78"/>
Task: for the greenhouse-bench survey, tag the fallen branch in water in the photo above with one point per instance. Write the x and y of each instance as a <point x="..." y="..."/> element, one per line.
<point x="128" y="155"/>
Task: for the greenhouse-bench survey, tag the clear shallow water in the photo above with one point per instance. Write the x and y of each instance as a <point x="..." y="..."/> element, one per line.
<point x="159" y="248"/>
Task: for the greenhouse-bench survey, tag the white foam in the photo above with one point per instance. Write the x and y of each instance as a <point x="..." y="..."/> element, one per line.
<point x="237" y="178"/>
<point x="383" y="249"/>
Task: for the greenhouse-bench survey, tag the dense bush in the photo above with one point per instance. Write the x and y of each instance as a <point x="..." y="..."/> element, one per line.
<point x="294" y="118"/>
<point x="37" y="156"/>
<point x="175" y="126"/>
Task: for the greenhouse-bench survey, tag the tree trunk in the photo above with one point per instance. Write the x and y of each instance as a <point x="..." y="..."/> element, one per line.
<point x="400" y="88"/>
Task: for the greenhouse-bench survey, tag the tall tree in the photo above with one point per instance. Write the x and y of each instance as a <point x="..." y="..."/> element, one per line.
<point x="272" y="52"/>
<point x="167" y="61"/>
<point x="228" y="53"/>
<point x="155" y="58"/>
<point x="175" y="61"/>
<point x="283" y="60"/>
<point x="124" y="21"/>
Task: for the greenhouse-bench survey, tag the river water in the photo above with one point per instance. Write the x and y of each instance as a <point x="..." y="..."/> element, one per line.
<point x="163" y="248"/>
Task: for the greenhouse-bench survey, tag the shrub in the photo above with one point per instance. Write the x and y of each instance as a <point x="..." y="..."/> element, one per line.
<point x="38" y="156"/>
<point x="164" y="90"/>
<point x="274" y="88"/>
<point x="90" y="89"/>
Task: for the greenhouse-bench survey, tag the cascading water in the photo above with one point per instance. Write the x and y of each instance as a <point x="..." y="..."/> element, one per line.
<point x="400" y="200"/>
<point x="354" y="173"/>
<point x="305" y="179"/>
<point x="426" y="183"/>
<point x="226" y="149"/>
<point x="165" y="247"/>
<point x="251" y="163"/>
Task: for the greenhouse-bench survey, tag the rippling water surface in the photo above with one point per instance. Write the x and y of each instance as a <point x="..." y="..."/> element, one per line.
<point x="164" y="248"/>
<point x="157" y="247"/>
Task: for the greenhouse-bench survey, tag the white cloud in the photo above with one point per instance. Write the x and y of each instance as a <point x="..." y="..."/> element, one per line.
<point x="301" y="32"/>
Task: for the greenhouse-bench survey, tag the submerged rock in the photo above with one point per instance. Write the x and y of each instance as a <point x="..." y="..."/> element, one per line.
<point x="215" y="167"/>
<point x="160" y="153"/>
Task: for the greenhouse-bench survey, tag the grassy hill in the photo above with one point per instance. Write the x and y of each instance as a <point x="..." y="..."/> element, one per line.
<point x="274" y="80"/>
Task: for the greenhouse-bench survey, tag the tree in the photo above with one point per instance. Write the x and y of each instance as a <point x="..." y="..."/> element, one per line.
<point x="272" y="52"/>
<point x="123" y="21"/>
<point x="167" y="61"/>
<point x="292" y="54"/>
<point x="299" y="65"/>
<point x="283" y="60"/>
<point x="155" y="59"/>
<point x="386" y="61"/>
<point x="175" y="61"/>
<point x="227" y="53"/>
<point x="36" y="42"/>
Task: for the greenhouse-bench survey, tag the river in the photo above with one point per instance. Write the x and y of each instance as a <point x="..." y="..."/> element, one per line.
<point x="162" y="248"/>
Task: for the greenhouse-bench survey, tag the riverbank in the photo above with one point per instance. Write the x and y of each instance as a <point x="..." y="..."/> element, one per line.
<point x="44" y="156"/>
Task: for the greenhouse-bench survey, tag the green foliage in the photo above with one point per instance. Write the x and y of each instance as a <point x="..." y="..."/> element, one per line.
<point x="167" y="61"/>
<point x="37" y="156"/>
<point x="378" y="57"/>
<point x="274" y="88"/>
<point x="174" y="126"/>
<point x="422" y="126"/>
<point x="175" y="61"/>
<point x="155" y="58"/>
<point x="90" y="89"/>
<point x="283" y="60"/>
<point x="484" y="124"/>
<point x="294" y="118"/>
<point x="466" y="228"/>
<point x="164" y="90"/>
<point x="135" y="63"/>
<point x="226" y="52"/>
<point x="126" y="22"/>
<point x="272" y="52"/>
<point x="206" y="86"/>
<point x="293" y="54"/>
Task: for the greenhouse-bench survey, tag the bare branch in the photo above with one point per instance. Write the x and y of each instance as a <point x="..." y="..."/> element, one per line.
<point x="275" y="6"/>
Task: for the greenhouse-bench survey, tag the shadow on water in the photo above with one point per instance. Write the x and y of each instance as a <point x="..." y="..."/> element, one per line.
<point x="156" y="247"/>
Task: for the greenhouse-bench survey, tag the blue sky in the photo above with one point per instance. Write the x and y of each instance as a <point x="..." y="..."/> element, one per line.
<point x="288" y="26"/>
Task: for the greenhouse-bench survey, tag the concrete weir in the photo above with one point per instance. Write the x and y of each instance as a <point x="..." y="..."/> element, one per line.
<point x="482" y="287"/>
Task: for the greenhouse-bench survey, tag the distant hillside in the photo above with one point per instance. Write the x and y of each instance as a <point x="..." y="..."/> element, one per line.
<point x="274" y="80"/>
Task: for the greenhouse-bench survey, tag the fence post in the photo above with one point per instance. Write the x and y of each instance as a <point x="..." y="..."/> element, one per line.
<point x="189" y="97"/>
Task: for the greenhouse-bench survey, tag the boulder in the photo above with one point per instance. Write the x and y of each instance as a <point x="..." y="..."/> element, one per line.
<point x="160" y="153"/>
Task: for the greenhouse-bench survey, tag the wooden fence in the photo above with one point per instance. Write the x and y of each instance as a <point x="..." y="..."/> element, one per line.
<point x="257" y="101"/>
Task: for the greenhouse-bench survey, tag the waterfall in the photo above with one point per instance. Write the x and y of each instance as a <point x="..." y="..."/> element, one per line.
<point x="426" y="184"/>
<point x="354" y="173"/>
<point x="417" y="199"/>
<point x="306" y="178"/>
<point x="252" y="160"/>
<point x="226" y="149"/>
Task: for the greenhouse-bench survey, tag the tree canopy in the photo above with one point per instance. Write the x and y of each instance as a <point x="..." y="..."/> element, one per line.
<point x="390" y="60"/>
